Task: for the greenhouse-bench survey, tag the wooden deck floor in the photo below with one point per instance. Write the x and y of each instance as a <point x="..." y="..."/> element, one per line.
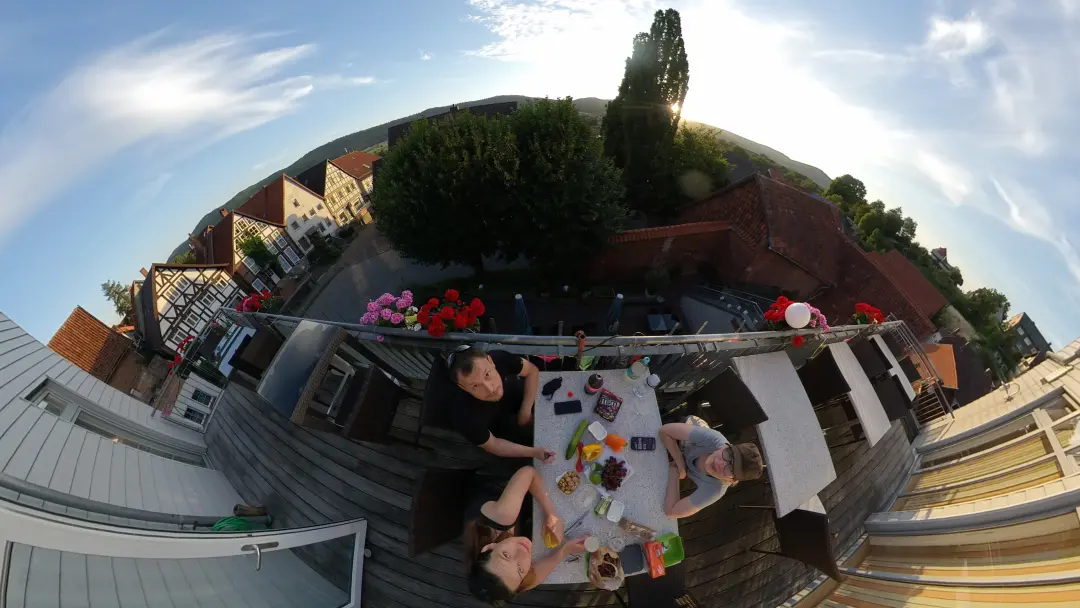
<point x="305" y="478"/>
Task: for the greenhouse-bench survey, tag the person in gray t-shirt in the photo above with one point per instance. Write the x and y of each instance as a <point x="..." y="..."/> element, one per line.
<point x="711" y="461"/>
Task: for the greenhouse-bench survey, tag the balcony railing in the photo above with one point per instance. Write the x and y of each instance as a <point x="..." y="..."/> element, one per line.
<point x="683" y="362"/>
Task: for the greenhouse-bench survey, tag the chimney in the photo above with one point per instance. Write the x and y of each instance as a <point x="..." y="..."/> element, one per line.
<point x="224" y="212"/>
<point x="144" y="272"/>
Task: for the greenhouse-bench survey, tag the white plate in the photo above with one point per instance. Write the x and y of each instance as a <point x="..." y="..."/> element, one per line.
<point x="602" y="459"/>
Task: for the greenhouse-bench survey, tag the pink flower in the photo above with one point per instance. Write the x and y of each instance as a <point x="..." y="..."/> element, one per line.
<point x="402" y="303"/>
<point x="379" y="338"/>
<point x="373" y="306"/>
<point x="386" y="299"/>
<point x="369" y="318"/>
<point x="407" y="294"/>
<point x="397" y="318"/>
<point x="385" y="314"/>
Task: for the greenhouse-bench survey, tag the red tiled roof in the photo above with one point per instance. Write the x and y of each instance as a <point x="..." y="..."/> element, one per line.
<point x="861" y="279"/>
<point x="908" y="277"/>
<point x="89" y="344"/>
<point x="941" y="355"/>
<point x="268" y="203"/>
<point x="663" y="232"/>
<point x="802" y="228"/>
<point x="357" y="164"/>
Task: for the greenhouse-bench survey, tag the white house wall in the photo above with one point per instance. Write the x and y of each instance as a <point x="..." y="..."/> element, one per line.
<point x="38" y="447"/>
<point x="342" y="194"/>
<point x="185" y="308"/>
<point x="186" y="400"/>
<point x="275" y="239"/>
<point x="300" y="201"/>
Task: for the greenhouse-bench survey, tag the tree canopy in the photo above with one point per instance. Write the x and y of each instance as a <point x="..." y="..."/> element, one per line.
<point x="698" y="162"/>
<point x="534" y="183"/>
<point x="187" y="257"/>
<point x="119" y="295"/>
<point x="640" y="124"/>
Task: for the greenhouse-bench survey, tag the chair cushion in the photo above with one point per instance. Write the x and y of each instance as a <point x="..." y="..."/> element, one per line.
<point x="821" y="378"/>
<point x="437" y="513"/>
<point x="434" y="411"/>
<point x="730" y="402"/>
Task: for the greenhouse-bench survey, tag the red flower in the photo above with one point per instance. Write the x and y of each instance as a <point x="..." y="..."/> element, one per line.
<point x="782" y="300"/>
<point x="423" y="317"/>
<point x="239" y="308"/>
<point x="447" y="313"/>
<point x="433" y="302"/>
<point x="797" y="340"/>
<point x="461" y="320"/>
<point x="862" y="307"/>
<point x="452" y="295"/>
<point x="265" y="293"/>
<point x="426" y="307"/>
<point x="477" y="307"/>
<point x="472" y="317"/>
<point x="437" y="328"/>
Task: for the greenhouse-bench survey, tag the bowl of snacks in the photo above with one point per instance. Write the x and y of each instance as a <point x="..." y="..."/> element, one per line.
<point x="569" y="482"/>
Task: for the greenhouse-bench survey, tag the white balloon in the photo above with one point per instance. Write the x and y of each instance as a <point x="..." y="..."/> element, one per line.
<point x="797" y="315"/>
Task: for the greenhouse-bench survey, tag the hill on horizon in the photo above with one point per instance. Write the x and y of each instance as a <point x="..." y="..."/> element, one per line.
<point x="373" y="136"/>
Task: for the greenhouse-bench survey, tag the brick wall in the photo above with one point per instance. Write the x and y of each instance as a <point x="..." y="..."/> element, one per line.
<point x="740" y="204"/>
<point x="89" y="344"/>
<point x="770" y="268"/>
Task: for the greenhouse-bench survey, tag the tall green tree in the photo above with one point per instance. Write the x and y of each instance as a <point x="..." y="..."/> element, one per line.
<point x="188" y="257"/>
<point x="851" y="193"/>
<point x="698" y="162"/>
<point x="984" y="305"/>
<point x="444" y="189"/>
<point x="119" y="295"/>
<point x="535" y="183"/>
<point x="567" y="198"/>
<point x="640" y="125"/>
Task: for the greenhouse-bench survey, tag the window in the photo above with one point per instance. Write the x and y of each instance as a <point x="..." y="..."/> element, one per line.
<point x="1027" y="342"/>
<point x="328" y="224"/>
<point x="319" y="206"/>
<point x="304" y="216"/>
<point x="251" y="265"/>
<point x="289" y="253"/>
<point x="258" y="285"/>
<point x="270" y="246"/>
<point x="201" y="397"/>
<point x="295" y="203"/>
<point x="304" y="243"/>
<point x="1020" y="330"/>
<point x="280" y="239"/>
<point x="273" y="277"/>
<point x="295" y="225"/>
<point x="285" y="265"/>
<point x="103" y="428"/>
<point x="194" y="415"/>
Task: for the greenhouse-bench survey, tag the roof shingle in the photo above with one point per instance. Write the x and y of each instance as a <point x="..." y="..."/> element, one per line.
<point x="909" y="278"/>
<point x="357" y="164"/>
<point x="89" y="344"/>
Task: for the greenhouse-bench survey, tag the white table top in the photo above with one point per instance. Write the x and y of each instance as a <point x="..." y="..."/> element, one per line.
<point x="797" y="457"/>
<point x="642" y="493"/>
<point x="875" y="423"/>
<point x="895" y="368"/>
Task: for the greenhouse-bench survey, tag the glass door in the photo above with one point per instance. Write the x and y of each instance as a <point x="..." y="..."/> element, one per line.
<point x="51" y="560"/>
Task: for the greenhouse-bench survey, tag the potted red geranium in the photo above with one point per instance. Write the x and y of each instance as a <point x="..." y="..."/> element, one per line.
<point x="866" y="314"/>
<point x="450" y="313"/>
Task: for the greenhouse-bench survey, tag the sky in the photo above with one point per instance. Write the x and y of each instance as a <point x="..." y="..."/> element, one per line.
<point x="122" y="123"/>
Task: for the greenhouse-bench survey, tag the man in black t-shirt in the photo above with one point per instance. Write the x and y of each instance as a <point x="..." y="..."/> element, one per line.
<point x="491" y="402"/>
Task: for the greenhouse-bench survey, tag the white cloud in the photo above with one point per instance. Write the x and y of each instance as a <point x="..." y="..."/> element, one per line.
<point x="1027" y="215"/>
<point x="425" y="56"/>
<point x="202" y="90"/>
<point x="952" y="40"/>
<point x="955" y="182"/>
<point x="149" y="192"/>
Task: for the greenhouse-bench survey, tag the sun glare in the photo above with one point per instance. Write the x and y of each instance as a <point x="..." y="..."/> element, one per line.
<point x="674" y="107"/>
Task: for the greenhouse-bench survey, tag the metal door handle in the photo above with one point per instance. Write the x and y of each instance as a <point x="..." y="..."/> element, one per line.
<point x="258" y="552"/>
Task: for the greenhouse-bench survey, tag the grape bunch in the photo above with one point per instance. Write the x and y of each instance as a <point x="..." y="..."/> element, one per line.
<point x="613" y="474"/>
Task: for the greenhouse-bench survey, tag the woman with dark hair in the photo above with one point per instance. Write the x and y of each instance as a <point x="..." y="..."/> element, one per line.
<point x="499" y="562"/>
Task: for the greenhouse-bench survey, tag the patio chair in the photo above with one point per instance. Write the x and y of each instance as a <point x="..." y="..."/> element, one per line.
<point x="369" y="409"/>
<point x="822" y="379"/>
<point x="668" y="591"/>
<point x="437" y="513"/>
<point x="871" y="359"/>
<point x="804" y="536"/>
<point x="433" y="410"/>
<point x="894" y="399"/>
<point x="731" y="405"/>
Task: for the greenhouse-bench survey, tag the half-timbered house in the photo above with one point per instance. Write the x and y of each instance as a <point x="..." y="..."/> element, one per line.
<point x="345" y="184"/>
<point x="288" y="203"/>
<point x="174" y="301"/>
<point x="220" y="244"/>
